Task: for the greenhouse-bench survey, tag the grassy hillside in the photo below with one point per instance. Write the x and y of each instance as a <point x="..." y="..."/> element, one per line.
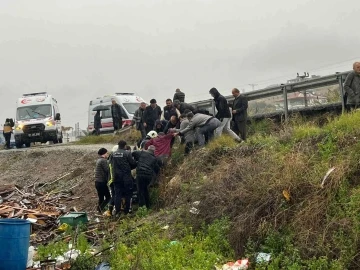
<point x="267" y="195"/>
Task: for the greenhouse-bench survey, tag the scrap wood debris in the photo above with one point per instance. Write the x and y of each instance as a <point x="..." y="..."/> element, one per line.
<point x="41" y="209"/>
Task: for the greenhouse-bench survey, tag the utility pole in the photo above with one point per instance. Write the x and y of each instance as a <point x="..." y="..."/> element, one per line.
<point x="253" y="85"/>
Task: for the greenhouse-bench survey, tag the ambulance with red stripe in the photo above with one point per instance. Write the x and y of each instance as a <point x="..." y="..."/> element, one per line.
<point x="129" y="103"/>
<point x="37" y="120"/>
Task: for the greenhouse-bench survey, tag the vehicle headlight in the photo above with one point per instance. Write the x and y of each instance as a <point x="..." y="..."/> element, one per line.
<point x="19" y="127"/>
<point x="50" y="123"/>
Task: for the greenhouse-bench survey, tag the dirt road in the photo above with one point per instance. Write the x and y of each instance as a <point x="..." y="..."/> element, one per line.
<point x="72" y="164"/>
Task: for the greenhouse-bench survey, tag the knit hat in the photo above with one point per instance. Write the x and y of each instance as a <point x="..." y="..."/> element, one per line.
<point x="151" y="149"/>
<point x="102" y="151"/>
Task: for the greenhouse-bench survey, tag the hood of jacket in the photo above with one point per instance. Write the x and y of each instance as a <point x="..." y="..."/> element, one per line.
<point x="214" y="92"/>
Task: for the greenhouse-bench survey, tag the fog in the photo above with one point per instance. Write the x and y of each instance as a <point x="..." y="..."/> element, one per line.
<point x="79" y="50"/>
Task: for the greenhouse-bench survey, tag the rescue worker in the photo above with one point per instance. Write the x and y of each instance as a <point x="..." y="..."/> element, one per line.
<point x="223" y="114"/>
<point x="116" y="115"/>
<point x="180" y="96"/>
<point x="151" y="135"/>
<point x="122" y="163"/>
<point x="147" y="166"/>
<point x="7" y="131"/>
<point x="97" y="123"/>
<point x="101" y="179"/>
<point x="110" y="210"/>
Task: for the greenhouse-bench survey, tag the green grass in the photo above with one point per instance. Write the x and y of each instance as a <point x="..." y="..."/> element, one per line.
<point x="131" y="137"/>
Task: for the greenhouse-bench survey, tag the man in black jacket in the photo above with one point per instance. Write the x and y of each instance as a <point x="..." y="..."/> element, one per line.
<point x="180" y="96"/>
<point x="169" y="110"/>
<point x="116" y="115"/>
<point x="101" y="179"/>
<point x="138" y="120"/>
<point x="239" y="111"/>
<point x="182" y="106"/>
<point x="151" y="114"/>
<point x="122" y="163"/>
<point x="223" y="114"/>
<point x="147" y="166"/>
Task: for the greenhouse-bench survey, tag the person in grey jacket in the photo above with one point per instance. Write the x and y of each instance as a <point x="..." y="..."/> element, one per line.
<point x="352" y="87"/>
<point x="101" y="179"/>
<point x="189" y="136"/>
<point x="204" y="125"/>
<point x="138" y="120"/>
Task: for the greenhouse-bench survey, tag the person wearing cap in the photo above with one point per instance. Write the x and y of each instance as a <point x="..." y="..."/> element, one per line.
<point x="122" y="163"/>
<point x="101" y="179"/>
<point x="147" y="166"/>
<point x="151" y="114"/>
<point x="151" y="135"/>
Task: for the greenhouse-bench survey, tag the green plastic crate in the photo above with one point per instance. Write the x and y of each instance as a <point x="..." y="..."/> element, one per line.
<point x="74" y="218"/>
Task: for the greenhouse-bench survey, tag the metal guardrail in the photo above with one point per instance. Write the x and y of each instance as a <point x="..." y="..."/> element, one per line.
<point x="285" y="89"/>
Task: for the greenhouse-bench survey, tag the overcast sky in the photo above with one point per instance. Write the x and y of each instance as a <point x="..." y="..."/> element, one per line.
<point x="80" y="49"/>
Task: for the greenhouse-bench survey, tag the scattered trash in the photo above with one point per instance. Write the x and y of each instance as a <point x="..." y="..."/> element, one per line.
<point x="172" y="243"/>
<point x="63" y="227"/>
<point x="75" y="218"/>
<point x="238" y="265"/>
<point x="194" y="211"/>
<point x="48" y="265"/>
<point x="103" y="266"/>
<point x="326" y="176"/>
<point x="32" y="220"/>
<point x="286" y="195"/>
<point x="31" y="254"/>
<point x="166" y="227"/>
<point x="196" y="203"/>
<point x="263" y="257"/>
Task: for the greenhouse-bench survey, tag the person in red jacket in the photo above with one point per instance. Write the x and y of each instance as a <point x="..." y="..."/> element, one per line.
<point x="162" y="145"/>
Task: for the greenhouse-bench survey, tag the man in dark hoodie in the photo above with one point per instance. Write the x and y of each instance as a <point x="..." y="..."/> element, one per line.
<point x="122" y="163"/>
<point x="151" y="114"/>
<point x="147" y="166"/>
<point x="159" y="126"/>
<point x="101" y="179"/>
<point x="223" y="114"/>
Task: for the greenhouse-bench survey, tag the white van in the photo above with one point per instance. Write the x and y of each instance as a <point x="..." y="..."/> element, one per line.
<point x="129" y="103"/>
<point x="37" y="120"/>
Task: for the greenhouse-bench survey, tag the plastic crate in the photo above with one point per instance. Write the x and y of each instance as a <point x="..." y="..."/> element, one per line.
<point x="74" y="218"/>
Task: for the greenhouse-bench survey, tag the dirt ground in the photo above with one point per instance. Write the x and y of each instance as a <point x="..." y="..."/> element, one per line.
<point x="74" y="164"/>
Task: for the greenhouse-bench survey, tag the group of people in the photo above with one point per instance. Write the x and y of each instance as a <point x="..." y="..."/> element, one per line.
<point x="194" y="126"/>
<point x="115" y="181"/>
<point x="114" y="176"/>
<point x="7" y="131"/>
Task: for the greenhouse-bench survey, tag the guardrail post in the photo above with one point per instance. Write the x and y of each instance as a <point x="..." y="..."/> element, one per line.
<point x="213" y="107"/>
<point x="341" y="88"/>
<point x="286" y="107"/>
<point x="305" y="98"/>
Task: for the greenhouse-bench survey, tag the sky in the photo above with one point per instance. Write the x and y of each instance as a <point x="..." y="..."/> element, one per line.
<point x="83" y="49"/>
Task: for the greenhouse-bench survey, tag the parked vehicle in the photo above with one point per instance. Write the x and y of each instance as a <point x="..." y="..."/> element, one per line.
<point x="129" y="103"/>
<point x="37" y="120"/>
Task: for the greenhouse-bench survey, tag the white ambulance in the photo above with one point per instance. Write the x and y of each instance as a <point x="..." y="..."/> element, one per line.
<point x="37" y="120"/>
<point x="129" y="103"/>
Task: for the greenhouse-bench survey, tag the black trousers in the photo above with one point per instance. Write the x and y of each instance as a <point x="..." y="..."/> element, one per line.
<point x="188" y="147"/>
<point x="117" y="123"/>
<point x="7" y="139"/>
<point x="143" y="189"/>
<point x="122" y="190"/>
<point x="103" y="194"/>
<point x="239" y="128"/>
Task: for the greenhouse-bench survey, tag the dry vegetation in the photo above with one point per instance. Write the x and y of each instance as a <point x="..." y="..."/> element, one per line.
<point x="316" y="227"/>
